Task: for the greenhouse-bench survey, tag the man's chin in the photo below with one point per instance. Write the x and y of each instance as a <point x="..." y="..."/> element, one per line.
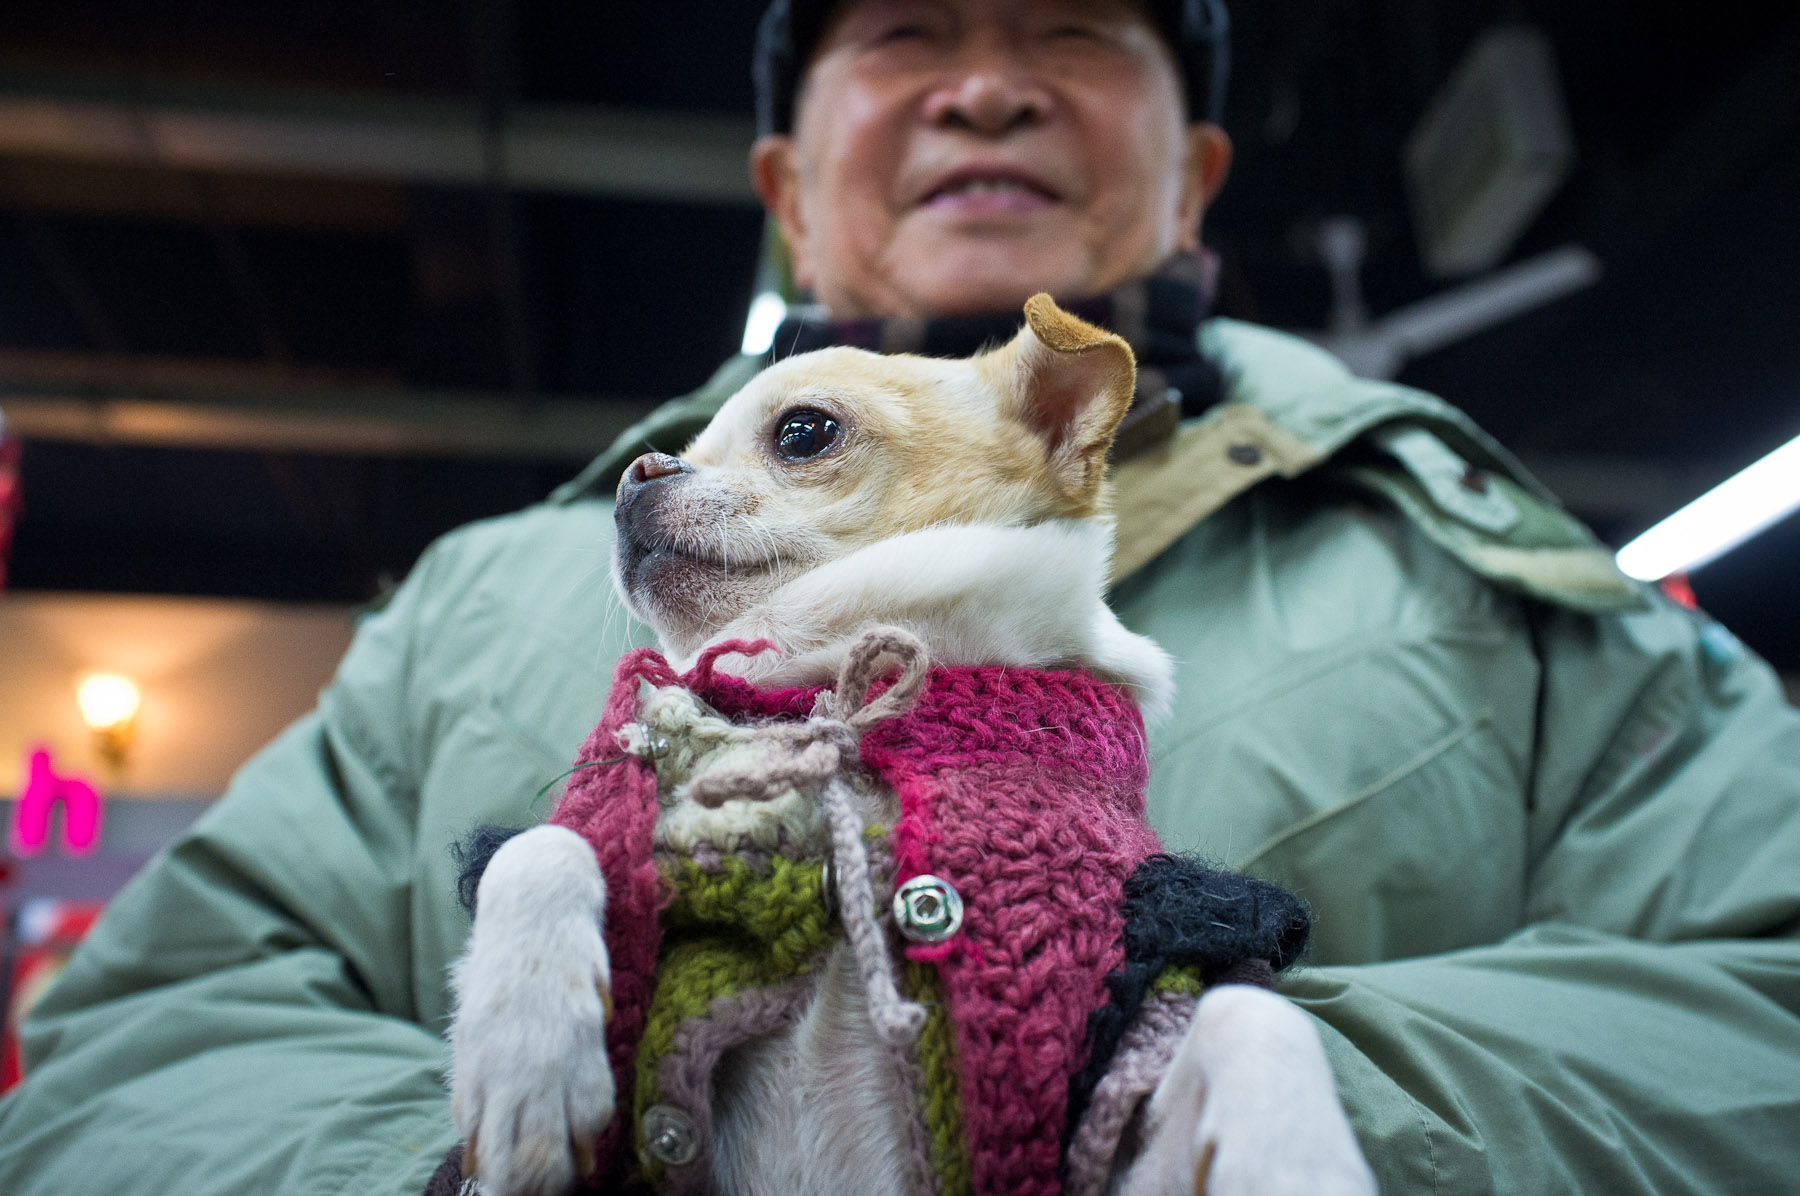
<point x="973" y="275"/>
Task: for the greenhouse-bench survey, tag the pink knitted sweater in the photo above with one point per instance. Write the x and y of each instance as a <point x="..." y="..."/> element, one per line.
<point x="1022" y="788"/>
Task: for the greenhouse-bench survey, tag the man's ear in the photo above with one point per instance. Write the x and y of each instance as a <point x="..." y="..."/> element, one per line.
<point x="775" y="175"/>
<point x="1070" y="383"/>
<point x="1205" y="163"/>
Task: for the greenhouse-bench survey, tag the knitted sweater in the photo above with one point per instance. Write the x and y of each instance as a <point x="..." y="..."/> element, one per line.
<point x="722" y="813"/>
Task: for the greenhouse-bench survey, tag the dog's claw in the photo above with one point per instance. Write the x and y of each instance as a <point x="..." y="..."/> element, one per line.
<point x="1202" y="1166"/>
<point x="582" y="1147"/>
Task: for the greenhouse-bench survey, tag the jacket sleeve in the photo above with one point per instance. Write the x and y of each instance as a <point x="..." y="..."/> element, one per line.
<point x="1641" y="1032"/>
<point x="242" y="1018"/>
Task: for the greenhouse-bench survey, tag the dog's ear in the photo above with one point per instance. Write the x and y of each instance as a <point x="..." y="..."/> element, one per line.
<point x="1070" y="383"/>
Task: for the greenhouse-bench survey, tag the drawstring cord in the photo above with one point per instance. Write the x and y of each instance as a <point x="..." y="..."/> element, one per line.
<point x="819" y="750"/>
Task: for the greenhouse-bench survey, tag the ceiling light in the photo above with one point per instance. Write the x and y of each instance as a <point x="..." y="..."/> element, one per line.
<point x="1719" y="520"/>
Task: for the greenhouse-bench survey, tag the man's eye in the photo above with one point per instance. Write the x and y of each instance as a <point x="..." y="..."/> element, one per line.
<point x="805" y="433"/>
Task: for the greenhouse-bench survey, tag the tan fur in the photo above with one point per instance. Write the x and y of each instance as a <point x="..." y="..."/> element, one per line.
<point x="1014" y="437"/>
<point x="1071" y="383"/>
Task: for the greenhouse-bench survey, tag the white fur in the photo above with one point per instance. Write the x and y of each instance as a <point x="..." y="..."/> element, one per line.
<point x="1251" y="1098"/>
<point x="818" y="1110"/>
<point x="530" y="1083"/>
<point x="975" y="593"/>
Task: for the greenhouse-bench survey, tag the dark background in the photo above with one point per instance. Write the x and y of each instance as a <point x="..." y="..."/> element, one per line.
<point x="125" y="276"/>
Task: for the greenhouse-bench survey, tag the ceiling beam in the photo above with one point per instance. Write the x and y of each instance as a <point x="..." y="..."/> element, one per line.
<point x="262" y="201"/>
<point x="683" y="157"/>
<point x="355" y="421"/>
<point x="197" y="404"/>
<point x="50" y="370"/>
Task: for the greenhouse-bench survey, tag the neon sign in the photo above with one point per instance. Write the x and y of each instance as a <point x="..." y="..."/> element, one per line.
<point x="82" y="810"/>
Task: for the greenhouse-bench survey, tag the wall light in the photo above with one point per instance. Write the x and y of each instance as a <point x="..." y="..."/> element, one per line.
<point x="109" y="706"/>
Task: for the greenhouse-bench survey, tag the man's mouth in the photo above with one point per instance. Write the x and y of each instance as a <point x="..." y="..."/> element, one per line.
<point x="989" y="192"/>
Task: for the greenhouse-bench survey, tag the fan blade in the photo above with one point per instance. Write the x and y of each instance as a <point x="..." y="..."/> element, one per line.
<point x="1495" y="298"/>
<point x="1363" y="353"/>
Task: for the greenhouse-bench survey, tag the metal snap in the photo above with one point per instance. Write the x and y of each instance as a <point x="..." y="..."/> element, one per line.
<point x="828" y="887"/>
<point x="650" y="746"/>
<point x="1244" y="453"/>
<point x="928" y="909"/>
<point x="669" y="1135"/>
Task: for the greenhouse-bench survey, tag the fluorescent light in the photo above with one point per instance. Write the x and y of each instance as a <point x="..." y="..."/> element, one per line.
<point x="1720" y="519"/>
<point x="766" y="312"/>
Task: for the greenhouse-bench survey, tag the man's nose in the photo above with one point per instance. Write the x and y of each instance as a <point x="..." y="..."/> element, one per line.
<point x="991" y="97"/>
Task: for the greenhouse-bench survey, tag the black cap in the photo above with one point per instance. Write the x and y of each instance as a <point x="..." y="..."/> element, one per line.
<point x="1196" y="31"/>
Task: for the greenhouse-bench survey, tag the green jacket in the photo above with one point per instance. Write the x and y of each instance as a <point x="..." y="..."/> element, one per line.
<point x="1548" y="822"/>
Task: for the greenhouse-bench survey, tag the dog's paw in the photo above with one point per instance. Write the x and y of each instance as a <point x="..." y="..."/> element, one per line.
<point x="530" y="1086"/>
<point x="1248" y="1107"/>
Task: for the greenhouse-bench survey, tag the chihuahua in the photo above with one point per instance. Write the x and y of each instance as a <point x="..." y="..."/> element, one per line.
<point x="966" y="501"/>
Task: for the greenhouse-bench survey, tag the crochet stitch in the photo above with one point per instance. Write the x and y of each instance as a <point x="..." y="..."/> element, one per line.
<point x="716" y="810"/>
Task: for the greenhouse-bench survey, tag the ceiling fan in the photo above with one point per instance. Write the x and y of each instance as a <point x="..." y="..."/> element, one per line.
<point x="1490" y="149"/>
<point x="1380" y="347"/>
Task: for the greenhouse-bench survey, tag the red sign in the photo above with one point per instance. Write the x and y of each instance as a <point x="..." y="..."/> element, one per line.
<point x="48" y="930"/>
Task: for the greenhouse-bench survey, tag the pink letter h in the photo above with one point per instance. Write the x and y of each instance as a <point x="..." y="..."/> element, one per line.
<point x="31" y="814"/>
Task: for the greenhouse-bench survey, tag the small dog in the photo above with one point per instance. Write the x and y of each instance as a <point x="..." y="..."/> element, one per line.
<point x="967" y="502"/>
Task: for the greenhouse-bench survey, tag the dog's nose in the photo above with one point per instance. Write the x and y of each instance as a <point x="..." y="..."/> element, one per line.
<point x="651" y="466"/>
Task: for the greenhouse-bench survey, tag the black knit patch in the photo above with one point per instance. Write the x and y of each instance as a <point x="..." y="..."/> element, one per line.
<point x="472" y="855"/>
<point x="1180" y="912"/>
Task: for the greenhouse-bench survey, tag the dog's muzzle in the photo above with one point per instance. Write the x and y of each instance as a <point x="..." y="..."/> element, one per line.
<point x="640" y="488"/>
<point x="643" y="478"/>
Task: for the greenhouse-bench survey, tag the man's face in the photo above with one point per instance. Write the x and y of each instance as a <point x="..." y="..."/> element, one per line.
<point x="955" y="156"/>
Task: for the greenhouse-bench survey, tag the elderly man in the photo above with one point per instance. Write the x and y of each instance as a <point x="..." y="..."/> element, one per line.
<point x="1547" y="821"/>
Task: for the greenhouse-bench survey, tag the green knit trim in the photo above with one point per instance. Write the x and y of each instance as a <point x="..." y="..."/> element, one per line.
<point x="782" y="908"/>
<point x="1180" y="979"/>
<point x="943" y="1084"/>
<point x="726" y="932"/>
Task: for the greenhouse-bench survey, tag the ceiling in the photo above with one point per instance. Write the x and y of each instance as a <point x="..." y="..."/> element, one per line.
<point x="292" y="288"/>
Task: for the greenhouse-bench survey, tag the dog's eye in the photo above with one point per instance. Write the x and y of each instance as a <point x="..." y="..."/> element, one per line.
<point x="805" y="433"/>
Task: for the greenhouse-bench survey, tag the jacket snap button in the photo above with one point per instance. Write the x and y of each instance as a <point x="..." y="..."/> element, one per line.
<point x="928" y="909"/>
<point x="1244" y="454"/>
<point x="670" y="1136"/>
